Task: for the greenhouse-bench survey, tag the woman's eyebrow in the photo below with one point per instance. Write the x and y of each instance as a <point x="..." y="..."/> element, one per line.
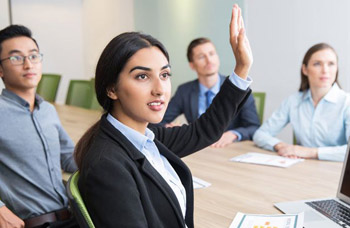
<point x="147" y="69"/>
<point x="140" y="68"/>
<point x="166" y="66"/>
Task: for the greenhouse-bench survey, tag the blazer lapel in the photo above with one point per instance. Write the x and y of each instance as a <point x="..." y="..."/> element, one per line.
<point x="185" y="176"/>
<point x="180" y="167"/>
<point x="158" y="180"/>
<point x="146" y="167"/>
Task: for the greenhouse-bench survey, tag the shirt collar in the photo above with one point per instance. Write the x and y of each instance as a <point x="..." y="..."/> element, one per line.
<point x="14" y="97"/>
<point x="307" y="95"/>
<point x="215" y="89"/>
<point x="136" y="138"/>
<point x="331" y="96"/>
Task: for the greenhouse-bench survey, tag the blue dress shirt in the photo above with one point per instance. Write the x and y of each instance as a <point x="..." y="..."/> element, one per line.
<point x="34" y="148"/>
<point x="202" y="100"/>
<point x="326" y="126"/>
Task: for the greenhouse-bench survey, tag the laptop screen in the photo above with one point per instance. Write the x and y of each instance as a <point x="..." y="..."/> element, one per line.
<point x="344" y="185"/>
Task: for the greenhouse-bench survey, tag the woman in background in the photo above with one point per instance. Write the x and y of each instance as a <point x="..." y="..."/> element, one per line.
<point x="132" y="176"/>
<point x="319" y="112"/>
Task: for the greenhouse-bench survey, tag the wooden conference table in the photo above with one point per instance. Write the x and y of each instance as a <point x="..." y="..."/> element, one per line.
<point x="234" y="186"/>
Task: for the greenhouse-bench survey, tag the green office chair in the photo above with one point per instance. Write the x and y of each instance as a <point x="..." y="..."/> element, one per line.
<point x="77" y="204"/>
<point x="79" y="93"/>
<point x="259" y="98"/>
<point x="48" y="86"/>
<point x="294" y="139"/>
<point x="94" y="103"/>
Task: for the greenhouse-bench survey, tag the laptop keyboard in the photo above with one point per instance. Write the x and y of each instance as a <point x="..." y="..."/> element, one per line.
<point x="333" y="210"/>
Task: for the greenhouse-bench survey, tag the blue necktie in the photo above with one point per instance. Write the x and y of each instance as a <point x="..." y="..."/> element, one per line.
<point x="209" y="95"/>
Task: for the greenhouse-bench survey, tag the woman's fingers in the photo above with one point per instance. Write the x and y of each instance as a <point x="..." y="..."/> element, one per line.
<point x="239" y="19"/>
<point x="239" y="43"/>
<point x="234" y="30"/>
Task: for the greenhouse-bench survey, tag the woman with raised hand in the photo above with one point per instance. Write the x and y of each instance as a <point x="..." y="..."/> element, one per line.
<point x="130" y="175"/>
<point x="319" y="113"/>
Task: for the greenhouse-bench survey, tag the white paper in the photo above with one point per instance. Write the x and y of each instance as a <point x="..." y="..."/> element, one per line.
<point x="199" y="183"/>
<point x="268" y="221"/>
<point x="265" y="159"/>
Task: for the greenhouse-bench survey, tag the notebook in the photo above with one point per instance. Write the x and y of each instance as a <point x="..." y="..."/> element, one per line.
<point x="325" y="213"/>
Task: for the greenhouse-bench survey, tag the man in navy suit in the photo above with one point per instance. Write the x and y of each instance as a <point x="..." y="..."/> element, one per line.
<point x="193" y="98"/>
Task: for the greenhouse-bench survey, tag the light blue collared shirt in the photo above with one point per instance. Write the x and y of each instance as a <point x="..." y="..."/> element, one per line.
<point x="202" y="102"/>
<point x="326" y="127"/>
<point x="34" y="148"/>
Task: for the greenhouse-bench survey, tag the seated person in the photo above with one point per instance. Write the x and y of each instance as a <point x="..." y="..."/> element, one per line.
<point x="194" y="97"/>
<point x="319" y="113"/>
<point x="131" y="175"/>
<point x="34" y="147"/>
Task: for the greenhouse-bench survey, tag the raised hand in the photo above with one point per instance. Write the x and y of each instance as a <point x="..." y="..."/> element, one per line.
<point x="240" y="43"/>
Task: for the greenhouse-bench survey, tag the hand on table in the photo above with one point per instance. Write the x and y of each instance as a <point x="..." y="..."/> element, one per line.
<point x="295" y="151"/>
<point x="227" y="138"/>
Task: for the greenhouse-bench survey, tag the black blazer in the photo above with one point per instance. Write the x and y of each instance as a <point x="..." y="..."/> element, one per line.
<point x="185" y="101"/>
<point x="121" y="188"/>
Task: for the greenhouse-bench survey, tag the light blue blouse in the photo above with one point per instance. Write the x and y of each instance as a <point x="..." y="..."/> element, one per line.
<point x="326" y="127"/>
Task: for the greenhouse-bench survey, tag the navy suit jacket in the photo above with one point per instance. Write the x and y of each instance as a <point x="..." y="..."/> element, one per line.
<point x="185" y="101"/>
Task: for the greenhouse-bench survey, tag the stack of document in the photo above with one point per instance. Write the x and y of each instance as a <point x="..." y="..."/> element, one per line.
<point x="199" y="183"/>
<point x="268" y="221"/>
<point x="265" y="159"/>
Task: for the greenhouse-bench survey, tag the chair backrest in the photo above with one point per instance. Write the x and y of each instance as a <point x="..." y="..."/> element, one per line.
<point x="48" y="86"/>
<point x="79" y="93"/>
<point x="94" y="103"/>
<point x="77" y="204"/>
<point x="259" y="98"/>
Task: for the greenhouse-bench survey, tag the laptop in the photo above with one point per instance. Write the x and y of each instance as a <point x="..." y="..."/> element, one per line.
<point x="325" y="213"/>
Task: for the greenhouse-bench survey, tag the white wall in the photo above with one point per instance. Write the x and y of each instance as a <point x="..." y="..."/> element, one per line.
<point x="103" y="20"/>
<point x="72" y="33"/>
<point x="4" y="13"/>
<point x="280" y="33"/>
<point x="4" y="21"/>
<point x="177" y="23"/>
<point x="57" y="27"/>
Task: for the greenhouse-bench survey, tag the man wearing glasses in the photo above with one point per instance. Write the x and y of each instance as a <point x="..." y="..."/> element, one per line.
<point x="34" y="147"/>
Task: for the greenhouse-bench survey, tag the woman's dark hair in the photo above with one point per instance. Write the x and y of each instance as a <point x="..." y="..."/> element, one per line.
<point x="112" y="61"/>
<point x="304" y="84"/>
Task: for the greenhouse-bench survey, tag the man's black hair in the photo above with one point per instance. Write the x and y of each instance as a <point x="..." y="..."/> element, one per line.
<point x="13" y="31"/>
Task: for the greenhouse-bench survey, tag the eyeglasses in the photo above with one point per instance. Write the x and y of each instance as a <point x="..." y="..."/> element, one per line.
<point x="19" y="59"/>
